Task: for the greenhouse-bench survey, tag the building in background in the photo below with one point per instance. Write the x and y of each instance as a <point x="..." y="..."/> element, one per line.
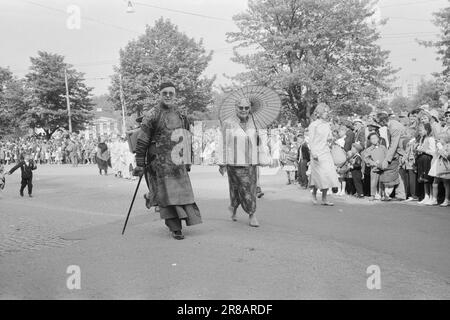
<point x="406" y="87"/>
<point x="106" y="122"/>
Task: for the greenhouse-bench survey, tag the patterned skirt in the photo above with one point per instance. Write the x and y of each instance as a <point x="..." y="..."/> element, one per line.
<point x="242" y="183"/>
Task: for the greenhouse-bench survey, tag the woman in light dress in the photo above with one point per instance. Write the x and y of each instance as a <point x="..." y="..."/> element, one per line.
<point x="323" y="170"/>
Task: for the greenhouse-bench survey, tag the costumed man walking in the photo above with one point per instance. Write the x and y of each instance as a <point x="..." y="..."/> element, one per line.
<point x="240" y="162"/>
<point x="163" y="154"/>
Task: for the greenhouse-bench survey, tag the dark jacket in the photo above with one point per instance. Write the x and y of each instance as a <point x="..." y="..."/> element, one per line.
<point x="303" y="151"/>
<point x="27" y="170"/>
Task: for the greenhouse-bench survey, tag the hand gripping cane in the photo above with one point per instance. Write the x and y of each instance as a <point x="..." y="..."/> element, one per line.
<point x="132" y="203"/>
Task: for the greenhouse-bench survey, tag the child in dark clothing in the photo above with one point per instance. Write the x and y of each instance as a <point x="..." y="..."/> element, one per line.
<point x="26" y="166"/>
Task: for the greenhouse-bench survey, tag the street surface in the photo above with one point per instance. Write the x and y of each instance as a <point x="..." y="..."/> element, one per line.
<point x="300" y="251"/>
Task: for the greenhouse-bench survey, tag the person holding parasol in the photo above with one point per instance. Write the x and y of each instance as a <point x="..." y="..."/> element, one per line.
<point x="244" y="115"/>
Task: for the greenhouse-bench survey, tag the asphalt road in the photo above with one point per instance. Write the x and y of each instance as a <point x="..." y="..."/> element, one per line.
<point x="300" y="251"/>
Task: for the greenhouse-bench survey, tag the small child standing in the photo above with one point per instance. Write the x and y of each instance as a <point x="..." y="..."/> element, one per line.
<point x="26" y="166"/>
<point x="355" y="161"/>
<point x="289" y="158"/>
<point x="374" y="156"/>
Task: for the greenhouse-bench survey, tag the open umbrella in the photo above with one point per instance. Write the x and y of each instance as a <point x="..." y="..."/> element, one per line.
<point x="265" y="104"/>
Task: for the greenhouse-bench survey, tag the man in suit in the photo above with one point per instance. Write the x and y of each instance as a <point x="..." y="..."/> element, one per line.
<point x="391" y="163"/>
<point x="26" y="166"/>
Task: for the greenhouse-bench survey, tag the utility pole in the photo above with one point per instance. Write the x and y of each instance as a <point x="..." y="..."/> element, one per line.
<point x="122" y="102"/>
<point x="68" y="101"/>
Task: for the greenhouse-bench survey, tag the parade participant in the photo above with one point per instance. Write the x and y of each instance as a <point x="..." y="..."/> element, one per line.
<point x="103" y="158"/>
<point x="167" y="171"/>
<point x="391" y="164"/>
<point x="323" y="172"/>
<point x="26" y="166"/>
<point x="239" y="164"/>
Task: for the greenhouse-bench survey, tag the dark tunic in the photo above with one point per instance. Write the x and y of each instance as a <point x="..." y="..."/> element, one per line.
<point x="158" y="150"/>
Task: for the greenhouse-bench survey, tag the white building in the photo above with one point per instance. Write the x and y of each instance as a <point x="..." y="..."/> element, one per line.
<point x="105" y="123"/>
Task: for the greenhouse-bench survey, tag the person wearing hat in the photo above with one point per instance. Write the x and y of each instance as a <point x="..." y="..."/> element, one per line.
<point x="163" y="156"/>
<point x="360" y="132"/>
<point x="391" y="163"/>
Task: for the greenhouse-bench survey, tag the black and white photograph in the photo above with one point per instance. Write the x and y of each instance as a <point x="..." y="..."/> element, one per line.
<point x="223" y="155"/>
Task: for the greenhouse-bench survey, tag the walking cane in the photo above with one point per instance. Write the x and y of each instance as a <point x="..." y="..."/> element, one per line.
<point x="132" y="202"/>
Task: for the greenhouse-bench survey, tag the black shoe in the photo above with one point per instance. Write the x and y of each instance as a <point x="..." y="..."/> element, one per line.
<point x="21" y="194"/>
<point x="260" y="195"/>
<point x="177" y="235"/>
<point x="30" y="196"/>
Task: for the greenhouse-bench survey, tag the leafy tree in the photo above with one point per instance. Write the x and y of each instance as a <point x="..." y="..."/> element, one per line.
<point x="162" y="54"/>
<point x="47" y="95"/>
<point x="311" y="51"/>
<point x="399" y="104"/>
<point x="442" y="21"/>
<point x="428" y="92"/>
<point x="12" y="102"/>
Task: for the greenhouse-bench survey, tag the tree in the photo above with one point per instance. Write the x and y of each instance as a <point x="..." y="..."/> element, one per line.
<point x="399" y="104"/>
<point x="162" y="54"/>
<point x="313" y="51"/>
<point x="442" y="21"/>
<point x="47" y="95"/>
<point x="428" y="92"/>
<point x="12" y="102"/>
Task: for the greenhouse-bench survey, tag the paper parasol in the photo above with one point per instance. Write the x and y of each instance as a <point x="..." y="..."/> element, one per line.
<point x="266" y="105"/>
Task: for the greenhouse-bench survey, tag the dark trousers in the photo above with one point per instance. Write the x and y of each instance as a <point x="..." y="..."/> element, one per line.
<point x="367" y="181"/>
<point x="174" y="224"/>
<point x="357" y="181"/>
<point x="26" y="182"/>
<point x="302" y="177"/>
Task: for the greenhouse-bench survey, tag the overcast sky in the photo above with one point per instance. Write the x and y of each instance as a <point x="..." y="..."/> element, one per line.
<point x="27" y="26"/>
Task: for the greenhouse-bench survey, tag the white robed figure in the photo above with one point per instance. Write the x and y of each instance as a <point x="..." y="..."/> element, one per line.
<point x="323" y="171"/>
